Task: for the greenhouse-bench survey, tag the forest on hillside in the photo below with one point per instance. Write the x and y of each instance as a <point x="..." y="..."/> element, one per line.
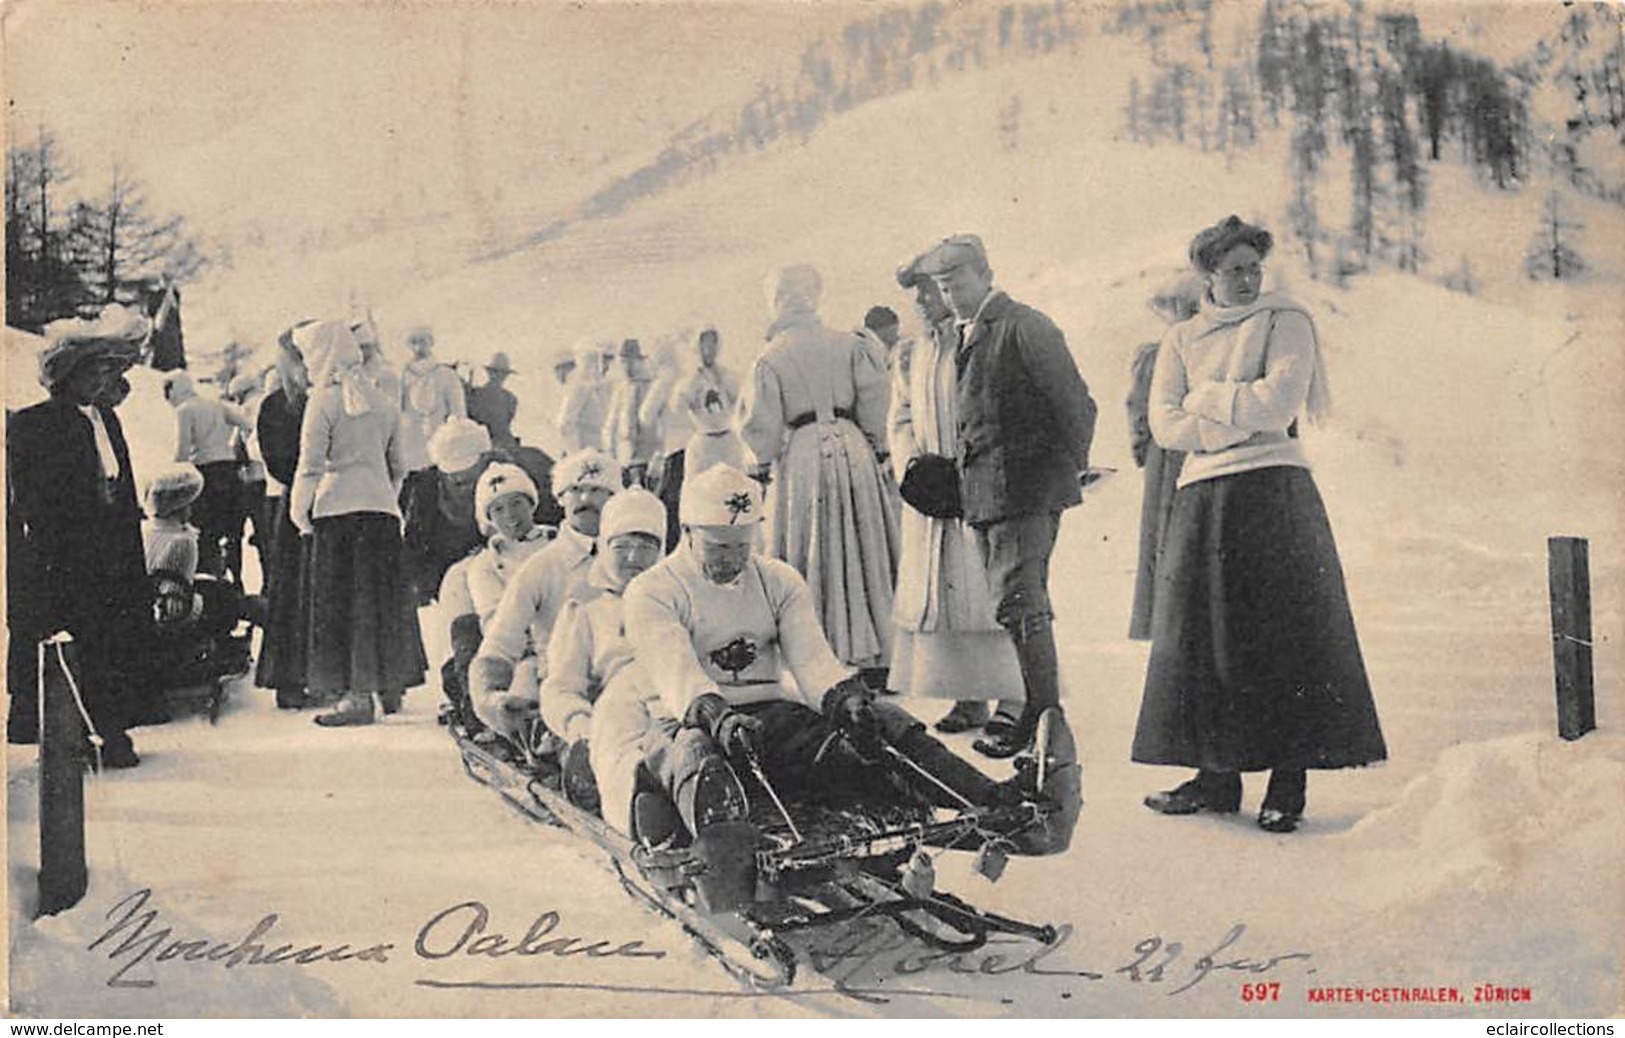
<point x="1363" y="95"/>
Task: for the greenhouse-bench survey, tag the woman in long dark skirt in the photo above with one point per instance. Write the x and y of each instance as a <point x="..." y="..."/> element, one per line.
<point x="1174" y="302"/>
<point x="1255" y="664"/>
<point x="363" y="626"/>
<point x="287" y="555"/>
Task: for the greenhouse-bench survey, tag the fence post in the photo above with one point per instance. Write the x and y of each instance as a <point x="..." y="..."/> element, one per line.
<point x="63" y="876"/>
<point x="1570" y="580"/>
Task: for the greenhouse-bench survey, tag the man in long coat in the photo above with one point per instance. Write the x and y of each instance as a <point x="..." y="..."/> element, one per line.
<point x="1025" y="425"/>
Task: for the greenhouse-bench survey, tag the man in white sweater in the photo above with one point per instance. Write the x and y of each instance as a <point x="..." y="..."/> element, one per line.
<point x="204" y="431"/>
<point x="505" y="675"/>
<point x="712" y="628"/>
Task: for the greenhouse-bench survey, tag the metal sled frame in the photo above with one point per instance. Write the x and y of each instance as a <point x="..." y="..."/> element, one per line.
<point x="821" y="881"/>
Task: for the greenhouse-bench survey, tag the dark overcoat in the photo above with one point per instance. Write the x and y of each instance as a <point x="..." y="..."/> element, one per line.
<point x="1026" y="419"/>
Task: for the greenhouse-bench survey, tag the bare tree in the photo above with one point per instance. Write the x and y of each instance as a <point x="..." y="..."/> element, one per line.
<point x="121" y="245"/>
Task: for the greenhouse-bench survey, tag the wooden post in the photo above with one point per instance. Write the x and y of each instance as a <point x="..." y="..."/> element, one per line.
<point x="63" y="876"/>
<point x="1569" y="572"/>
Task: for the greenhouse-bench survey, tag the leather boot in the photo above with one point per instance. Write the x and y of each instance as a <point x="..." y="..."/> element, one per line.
<point x="1040" y="673"/>
<point x="356" y="708"/>
<point x="964" y="716"/>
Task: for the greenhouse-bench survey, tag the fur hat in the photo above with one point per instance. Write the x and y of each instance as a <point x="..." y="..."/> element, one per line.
<point x="498" y="481"/>
<point x="633" y="510"/>
<point x="172" y="489"/>
<point x="458" y="444"/>
<point x="1210" y="245"/>
<point x="118" y="332"/>
<point x="588" y="467"/>
<point x="721" y="496"/>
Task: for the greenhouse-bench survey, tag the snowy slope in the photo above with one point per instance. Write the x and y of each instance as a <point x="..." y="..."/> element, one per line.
<point x="1468" y="430"/>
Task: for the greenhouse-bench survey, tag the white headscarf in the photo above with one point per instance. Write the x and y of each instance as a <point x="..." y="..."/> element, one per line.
<point x="332" y="356"/>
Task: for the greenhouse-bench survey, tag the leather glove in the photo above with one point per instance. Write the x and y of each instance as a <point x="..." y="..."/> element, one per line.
<point x="850" y="706"/>
<point x="518" y="705"/>
<point x="580" y="786"/>
<point x="734" y="733"/>
<point x="173" y="604"/>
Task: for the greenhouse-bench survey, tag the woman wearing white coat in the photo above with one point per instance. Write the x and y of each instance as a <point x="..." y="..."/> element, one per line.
<point x="948" y="644"/>
<point x="814" y="415"/>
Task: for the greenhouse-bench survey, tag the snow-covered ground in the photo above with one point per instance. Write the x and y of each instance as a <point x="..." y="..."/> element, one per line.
<point x="1469" y="429"/>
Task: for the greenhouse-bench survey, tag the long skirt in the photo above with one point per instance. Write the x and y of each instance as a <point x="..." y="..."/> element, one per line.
<point x="1254" y="659"/>
<point x="958" y="665"/>
<point x="284" y="646"/>
<point x="834" y="521"/>
<point x="363" y="624"/>
<point x="1156" y="507"/>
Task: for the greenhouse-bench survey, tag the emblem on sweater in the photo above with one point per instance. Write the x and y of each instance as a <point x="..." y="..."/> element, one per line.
<point x="738" y="504"/>
<point x="736" y="656"/>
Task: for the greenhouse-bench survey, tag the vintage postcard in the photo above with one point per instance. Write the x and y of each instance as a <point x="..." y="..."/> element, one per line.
<point x="1130" y="518"/>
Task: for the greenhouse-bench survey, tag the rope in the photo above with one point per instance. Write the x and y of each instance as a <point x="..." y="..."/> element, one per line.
<point x="78" y="699"/>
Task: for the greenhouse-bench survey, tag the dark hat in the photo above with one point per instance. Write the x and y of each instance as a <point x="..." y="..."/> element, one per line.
<point x="908" y="275"/>
<point x="1209" y="246"/>
<point x="952" y="253"/>
<point x="499" y="362"/>
<point x="879" y="317"/>
<point x="631" y="348"/>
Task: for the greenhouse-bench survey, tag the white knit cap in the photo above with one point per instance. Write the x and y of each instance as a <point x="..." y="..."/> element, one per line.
<point x="721" y="496"/>
<point x="178" y="385"/>
<point x="172" y="489"/>
<point x="796" y="287"/>
<point x="498" y="481"/>
<point x="458" y="444"/>
<point x="587" y="467"/>
<point x="633" y="510"/>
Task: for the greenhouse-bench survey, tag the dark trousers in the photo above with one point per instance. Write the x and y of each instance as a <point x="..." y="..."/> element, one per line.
<point x="1016" y="554"/>
<point x="670" y="493"/>
<point x="799" y="758"/>
<point x="218" y="520"/>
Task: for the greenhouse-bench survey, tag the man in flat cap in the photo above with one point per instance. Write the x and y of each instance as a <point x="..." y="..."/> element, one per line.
<point x="78" y="564"/>
<point x="1025" y="425"/>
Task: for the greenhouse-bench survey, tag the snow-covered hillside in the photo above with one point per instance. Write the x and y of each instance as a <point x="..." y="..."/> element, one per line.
<point x="1467" y="430"/>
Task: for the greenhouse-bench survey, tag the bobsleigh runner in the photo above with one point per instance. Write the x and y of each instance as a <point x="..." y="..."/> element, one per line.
<point x="801" y="865"/>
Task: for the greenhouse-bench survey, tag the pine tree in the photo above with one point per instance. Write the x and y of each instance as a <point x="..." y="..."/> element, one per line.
<point x="41" y="284"/>
<point x="1551" y="252"/>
